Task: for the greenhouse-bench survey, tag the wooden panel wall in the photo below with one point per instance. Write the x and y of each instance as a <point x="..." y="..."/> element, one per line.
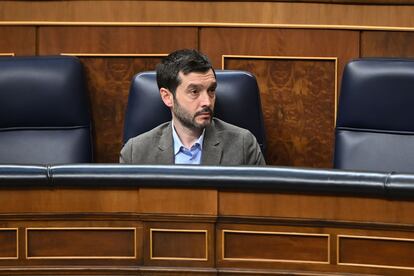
<point x="111" y="56"/>
<point x="298" y="98"/>
<point x="297" y="84"/>
<point x="298" y="66"/>
<point x="109" y="96"/>
<point x="136" y="231"/>
<point x="387" y="44"/>
<point x="17" y="40"/>
<point x="248" y="12"/>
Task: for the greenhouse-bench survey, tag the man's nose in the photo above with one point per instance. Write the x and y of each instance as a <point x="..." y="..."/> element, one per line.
<point x="206" y="99"/>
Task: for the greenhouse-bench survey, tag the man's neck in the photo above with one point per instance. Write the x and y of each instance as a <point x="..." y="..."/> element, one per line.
<point x="186" y="135"/>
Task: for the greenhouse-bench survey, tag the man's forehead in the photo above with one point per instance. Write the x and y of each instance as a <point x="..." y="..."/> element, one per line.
<point x="197" y="77"/>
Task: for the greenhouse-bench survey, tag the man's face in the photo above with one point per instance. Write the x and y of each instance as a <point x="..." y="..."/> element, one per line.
<point x="194" y="100"/>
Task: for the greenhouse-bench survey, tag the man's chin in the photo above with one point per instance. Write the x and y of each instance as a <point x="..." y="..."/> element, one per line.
<point x="201" y="124"/>
<point x="204" y="119"/>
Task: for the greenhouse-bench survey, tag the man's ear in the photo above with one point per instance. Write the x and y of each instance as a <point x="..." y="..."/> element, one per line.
<point x="167" y="97"/>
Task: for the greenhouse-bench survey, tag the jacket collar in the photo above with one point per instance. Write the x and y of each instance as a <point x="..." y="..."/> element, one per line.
<point x="165" y="146"/>
<point x="212" y="149"/>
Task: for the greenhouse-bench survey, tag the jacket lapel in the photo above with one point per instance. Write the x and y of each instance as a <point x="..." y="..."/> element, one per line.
<point x="212" y="150"/>
<point x="165" y="156"/>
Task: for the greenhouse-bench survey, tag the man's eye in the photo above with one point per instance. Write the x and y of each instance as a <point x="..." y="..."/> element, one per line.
<point x="212" y="93"/>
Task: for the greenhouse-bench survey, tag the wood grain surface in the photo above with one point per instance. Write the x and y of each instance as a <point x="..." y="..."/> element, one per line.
<point x="328" y="13"/>
<point x="18" y="40"/>
<point x="298" y="100"/>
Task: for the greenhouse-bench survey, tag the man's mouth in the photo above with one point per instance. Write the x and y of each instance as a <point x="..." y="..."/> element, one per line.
<point x="205" y="112"/>
<point x="204" y="115"/>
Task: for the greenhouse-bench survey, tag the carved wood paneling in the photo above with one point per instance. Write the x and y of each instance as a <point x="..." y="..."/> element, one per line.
<point x="298" y="101"/>
<point x="305" y="99"/>
<point x="304" y="145"/>
<point x="109" y="79"/>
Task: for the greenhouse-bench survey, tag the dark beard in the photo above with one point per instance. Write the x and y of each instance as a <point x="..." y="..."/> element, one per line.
<point x="187" y="120"/>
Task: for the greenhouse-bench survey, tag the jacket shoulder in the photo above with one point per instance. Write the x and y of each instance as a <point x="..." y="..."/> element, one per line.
<point x="149" y="135"/>
<point x="140" y="149"/>
<point x="222" y="126"/>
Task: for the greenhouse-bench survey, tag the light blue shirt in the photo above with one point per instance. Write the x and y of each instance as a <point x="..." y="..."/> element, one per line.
<point x="182" y="155"/>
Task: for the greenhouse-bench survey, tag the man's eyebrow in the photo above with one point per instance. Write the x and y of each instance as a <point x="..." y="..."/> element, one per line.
<point x="213" y="85"/>
<point x="196" y="85"/>
<point x="193" y="85"/>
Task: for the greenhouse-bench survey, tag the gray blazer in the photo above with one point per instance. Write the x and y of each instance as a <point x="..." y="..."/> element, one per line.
<point x="224" y="144"/>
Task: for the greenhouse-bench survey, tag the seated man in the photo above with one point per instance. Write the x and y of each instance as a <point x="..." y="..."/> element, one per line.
<point x="187" y="84"/>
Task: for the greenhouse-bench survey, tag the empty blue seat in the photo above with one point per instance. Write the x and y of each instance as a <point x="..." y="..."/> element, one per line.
<point x="44" y="111"/>
<point x="375" y="125"/>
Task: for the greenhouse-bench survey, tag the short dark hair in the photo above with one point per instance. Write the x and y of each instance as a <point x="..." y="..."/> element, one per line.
<point x="186" y="61"/>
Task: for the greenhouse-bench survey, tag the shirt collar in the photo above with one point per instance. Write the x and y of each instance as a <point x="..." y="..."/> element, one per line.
<point x="177" y="141"/>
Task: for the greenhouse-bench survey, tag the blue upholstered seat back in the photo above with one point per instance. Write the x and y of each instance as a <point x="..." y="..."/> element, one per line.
<point x="375" y="125"/>
<point x="237" y="102"/>
<point x="44" y="111"/>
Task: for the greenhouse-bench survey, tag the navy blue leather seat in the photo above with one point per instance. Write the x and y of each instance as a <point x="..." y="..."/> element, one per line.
<point x="44" y="111"/>
<point x="237" y="102"/>
<point x="375" y="125"/>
